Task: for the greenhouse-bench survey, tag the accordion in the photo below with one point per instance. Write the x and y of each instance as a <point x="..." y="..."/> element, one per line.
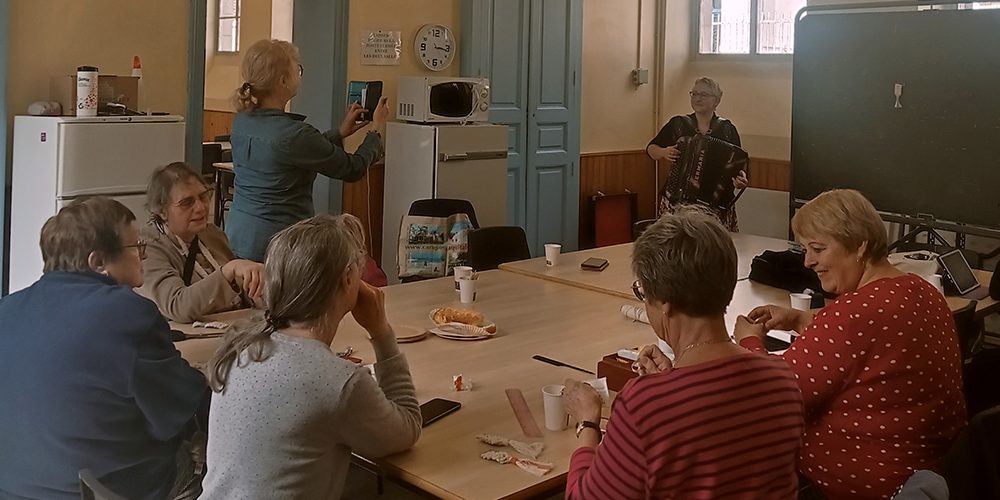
<point x="704" y="173"/>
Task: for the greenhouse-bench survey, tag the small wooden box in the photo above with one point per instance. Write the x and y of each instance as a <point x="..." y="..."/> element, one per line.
<point x="617" y="370"/>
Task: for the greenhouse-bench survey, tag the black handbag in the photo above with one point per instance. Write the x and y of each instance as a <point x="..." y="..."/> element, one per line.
<point x="787" y="270"/>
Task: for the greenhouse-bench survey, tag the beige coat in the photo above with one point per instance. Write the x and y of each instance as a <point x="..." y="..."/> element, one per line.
<point x="164" y="285"/>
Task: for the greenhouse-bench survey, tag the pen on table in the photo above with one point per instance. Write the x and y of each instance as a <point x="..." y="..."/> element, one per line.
<point x="551" y="361"/>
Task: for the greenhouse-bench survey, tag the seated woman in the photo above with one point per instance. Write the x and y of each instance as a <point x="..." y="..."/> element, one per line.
<point x="287" y="412"/>
<point x="716" y="421"/>
<point x="190" y="271"/>
<point x="879" y="368"/>
<point x="89" y="377"/>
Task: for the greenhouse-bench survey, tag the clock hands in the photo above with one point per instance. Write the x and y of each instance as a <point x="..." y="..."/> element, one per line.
<point x="446" y="48"/>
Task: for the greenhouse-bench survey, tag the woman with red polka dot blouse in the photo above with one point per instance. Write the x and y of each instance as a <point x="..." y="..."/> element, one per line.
<point x="879" y="368"/>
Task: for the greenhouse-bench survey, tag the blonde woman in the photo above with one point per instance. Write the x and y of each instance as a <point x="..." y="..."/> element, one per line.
<point x="287" y="412"/>
<point x="277" y="154"/>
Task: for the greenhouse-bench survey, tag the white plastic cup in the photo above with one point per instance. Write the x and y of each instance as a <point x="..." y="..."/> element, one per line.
<point x="467" y="290"/>
<point x="555" y="409"/>
<point x="552" y="251"/>
<point x="801" y="301"/>
<point x="461" y="272"/>
<point x="86" y="91"/>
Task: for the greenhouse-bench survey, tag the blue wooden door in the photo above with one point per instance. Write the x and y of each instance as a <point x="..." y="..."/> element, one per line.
<point x="530" y="51"/>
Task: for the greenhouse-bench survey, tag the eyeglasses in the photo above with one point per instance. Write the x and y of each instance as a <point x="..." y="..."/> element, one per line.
<point x="188" y="203"/>
<point x="140" y="246"/>
<point x="705" y="95"/>
<point x="301" y="70"/>
<point x="637" y="290"/>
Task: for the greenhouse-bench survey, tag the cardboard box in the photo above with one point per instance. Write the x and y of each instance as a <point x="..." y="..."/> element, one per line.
<point x="617" y="370"/>
<point x="110" y="88"/>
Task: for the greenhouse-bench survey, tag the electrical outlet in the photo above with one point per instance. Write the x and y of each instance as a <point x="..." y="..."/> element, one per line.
<point x="640" y="76"/>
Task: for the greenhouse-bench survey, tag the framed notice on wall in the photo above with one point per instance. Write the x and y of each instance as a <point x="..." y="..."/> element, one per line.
<point x="381" y="48"/>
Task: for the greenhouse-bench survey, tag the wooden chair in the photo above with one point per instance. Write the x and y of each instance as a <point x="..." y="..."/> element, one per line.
<point x="491" y="246"/>
<point x="92" y="489"/>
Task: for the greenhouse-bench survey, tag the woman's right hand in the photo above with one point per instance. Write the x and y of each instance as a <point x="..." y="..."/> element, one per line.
<point x="247" y="275"/>
<point x="651" y="360"/>
<point x="381" y="116"/>
<point x="671" y="153"/>
<point x="369" y="311"/>
<point x="780" y="318"/>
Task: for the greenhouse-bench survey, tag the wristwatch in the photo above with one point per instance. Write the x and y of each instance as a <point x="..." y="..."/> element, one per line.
<point x="580" y="426"/>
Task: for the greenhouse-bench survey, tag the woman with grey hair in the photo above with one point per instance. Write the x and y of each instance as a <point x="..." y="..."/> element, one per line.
<point x="190" y="271"/>
<point x="706" y="94"/>
<point x="287" y="412"/>
<point x="716" y="420"/>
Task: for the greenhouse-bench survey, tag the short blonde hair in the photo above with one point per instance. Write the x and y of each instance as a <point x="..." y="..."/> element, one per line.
<point x="265" y="62"/>
<point x="712" y="84"/>
<point x="847" y="217"/>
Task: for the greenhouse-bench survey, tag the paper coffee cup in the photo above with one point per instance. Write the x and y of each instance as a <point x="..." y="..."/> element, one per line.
<point x="552" y="251"/>
<point x="555" y="409"/>
<point x="461" y="272"/>
<point x="467" y="290"/>
<point x="801" y="301"/>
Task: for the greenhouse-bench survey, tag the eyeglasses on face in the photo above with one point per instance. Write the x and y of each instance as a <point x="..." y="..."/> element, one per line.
<point x="188" y="203"/>
<point x="704" y="95"/>
<point x="140" y="246"/>
<point x="637" y="290"/>
<point x="301" y="70"/>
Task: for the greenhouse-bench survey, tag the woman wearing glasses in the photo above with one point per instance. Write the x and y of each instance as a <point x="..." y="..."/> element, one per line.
<point x="705" y="98"/>
<point x="190" y="271"/>
<point x="276" y="155"/>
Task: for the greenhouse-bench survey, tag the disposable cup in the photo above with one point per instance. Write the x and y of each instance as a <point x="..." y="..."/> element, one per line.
<point x="467" y="290"/>
<point x="552" y="251"/>
<point x="555" y="409"/>
<point x="800" y="301"/>
<point x="461" y="272"/>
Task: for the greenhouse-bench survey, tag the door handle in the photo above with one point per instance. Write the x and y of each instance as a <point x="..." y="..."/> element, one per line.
<point x="476" y="155"/>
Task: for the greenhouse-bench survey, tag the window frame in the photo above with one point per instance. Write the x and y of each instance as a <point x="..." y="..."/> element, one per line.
<point x="218" y="26"/>
<point x="753" y="55"/>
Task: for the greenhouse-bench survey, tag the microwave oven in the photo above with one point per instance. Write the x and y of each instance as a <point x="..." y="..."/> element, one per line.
<point x="436" y="99"/>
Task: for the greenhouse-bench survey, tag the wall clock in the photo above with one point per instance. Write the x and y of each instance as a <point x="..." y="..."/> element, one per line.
<point x="435" y="46"/>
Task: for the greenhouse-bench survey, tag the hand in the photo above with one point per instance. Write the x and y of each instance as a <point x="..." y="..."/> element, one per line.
<point x="369" y="311"/>
<point x="381" y="115"/>
<point x="651" y="361"/>
<point x="741" y="181"/>
<point x="582" y="401"/>
<point x="779" y="318"/>
<point x="746" y="328"/>
<point x="247" y="275"/>
<point x="352" y="123"/>
<point x="672" y="153"/>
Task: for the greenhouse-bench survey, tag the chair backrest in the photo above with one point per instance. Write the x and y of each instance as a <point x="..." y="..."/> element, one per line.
<point x="443" y="207"/>
<point x="640" y="227"/>
<point x="210" y="153"/>
<point x="969" y="329"/>
<point x="972" y="465"/>
<point x="491" y="246"/>
<point x="92" y="489"/>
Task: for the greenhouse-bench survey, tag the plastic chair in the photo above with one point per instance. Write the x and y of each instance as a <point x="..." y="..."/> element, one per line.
<point x="92" y="489"/>
<point x="443" y="207"/>
<point x="210" y="153"/>
<point x="969" y="329"/>
<point x="222" y="138"/>
<point x="640" y="226"/>
<point x="491" y="246"/>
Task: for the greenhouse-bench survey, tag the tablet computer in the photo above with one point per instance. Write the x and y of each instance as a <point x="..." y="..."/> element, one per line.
<point x="958" y="272"/>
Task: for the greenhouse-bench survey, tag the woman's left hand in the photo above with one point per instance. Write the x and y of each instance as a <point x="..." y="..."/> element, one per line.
<point x="350" y="125"/>
<point x="745" y="328"/>
<point x="582" y="401"/>
<point x="741" y="181"/>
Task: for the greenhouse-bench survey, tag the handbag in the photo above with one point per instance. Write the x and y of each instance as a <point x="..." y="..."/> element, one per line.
<point x="787" y="270"/>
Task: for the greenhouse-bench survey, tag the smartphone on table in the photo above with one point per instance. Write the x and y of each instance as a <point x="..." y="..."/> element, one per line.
<point x="437" y="409"/>
<point x="594" y="264"/>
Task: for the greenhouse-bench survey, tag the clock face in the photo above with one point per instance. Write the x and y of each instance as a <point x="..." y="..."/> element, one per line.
<point x="435" y="46"/>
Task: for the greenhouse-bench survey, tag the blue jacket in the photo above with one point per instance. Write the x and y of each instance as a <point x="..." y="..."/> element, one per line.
<point x="89" y="378"/>
<point x="276" y="157"/>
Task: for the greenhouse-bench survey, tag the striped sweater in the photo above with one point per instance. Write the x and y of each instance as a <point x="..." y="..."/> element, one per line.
<point x="729" y="427"/>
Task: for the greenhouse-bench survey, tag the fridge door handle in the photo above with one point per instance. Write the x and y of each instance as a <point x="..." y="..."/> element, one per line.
<point x="474" y="155"/>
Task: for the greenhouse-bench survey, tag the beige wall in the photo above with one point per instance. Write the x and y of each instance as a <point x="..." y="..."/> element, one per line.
<point x="53" y="37"/>
<point x="222" y="70"/>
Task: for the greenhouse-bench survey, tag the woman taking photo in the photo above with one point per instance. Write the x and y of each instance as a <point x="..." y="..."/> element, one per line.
<point x="276" y="155"/>
<point x="287" y="412"/>
<point x="190" y="271"/>
<point x="879" y="368"/>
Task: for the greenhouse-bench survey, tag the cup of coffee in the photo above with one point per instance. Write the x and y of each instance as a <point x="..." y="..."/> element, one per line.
<point x="461" y="272"/>
<point x="552" y="251"/>
<point x="467" y="289"/>
<point x="555" y="408"/>
<point x="800" y="301"/>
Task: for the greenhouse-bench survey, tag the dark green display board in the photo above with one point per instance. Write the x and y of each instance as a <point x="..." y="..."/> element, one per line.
<point x="939" y="153"/>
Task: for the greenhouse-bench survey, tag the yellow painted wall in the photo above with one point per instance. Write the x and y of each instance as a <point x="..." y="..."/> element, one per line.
<point x="53" y="37"/>
<point x="222" y="70"/>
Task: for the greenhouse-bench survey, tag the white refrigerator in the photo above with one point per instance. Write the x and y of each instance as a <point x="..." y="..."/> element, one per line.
<point x="442" y="161"/>
<point x="59" y="159"/>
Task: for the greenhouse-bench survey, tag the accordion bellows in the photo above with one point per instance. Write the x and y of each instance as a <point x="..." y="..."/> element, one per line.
<point x="705" y="171"/>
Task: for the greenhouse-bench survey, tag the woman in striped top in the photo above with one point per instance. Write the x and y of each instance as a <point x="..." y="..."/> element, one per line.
<point x="717" y="420"/>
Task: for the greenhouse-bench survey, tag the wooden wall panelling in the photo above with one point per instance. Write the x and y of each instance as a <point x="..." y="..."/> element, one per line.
<point x="357" y="202"/>
<point x="216" y="123"/>
<point x="770" y="174"/>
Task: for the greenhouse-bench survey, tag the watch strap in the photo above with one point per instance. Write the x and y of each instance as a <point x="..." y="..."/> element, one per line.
<point x="583" y="424"/>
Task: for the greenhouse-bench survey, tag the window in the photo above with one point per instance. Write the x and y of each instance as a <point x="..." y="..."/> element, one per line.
<point x="747" y="26"/>
<point x="229" y="26"/>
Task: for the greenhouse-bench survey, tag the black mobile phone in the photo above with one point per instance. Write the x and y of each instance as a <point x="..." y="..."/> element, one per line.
<point x="437" y="408"/>
<point x="594" y="264"/>
<point x="372" y="94"/>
